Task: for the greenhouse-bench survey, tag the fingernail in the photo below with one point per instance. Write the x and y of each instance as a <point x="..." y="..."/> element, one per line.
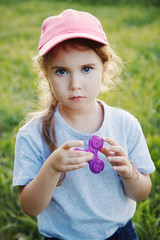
<point x="114" y="168"/>
<point x="91" y="156"/>
<point x="104" y="138"/>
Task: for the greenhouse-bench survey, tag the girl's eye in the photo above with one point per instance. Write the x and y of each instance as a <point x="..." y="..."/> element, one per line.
<point x="61" y="72"/>
<point x="86" y="69"/>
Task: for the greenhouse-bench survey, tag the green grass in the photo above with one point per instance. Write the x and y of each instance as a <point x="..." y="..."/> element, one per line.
<point x="134" y="33"/>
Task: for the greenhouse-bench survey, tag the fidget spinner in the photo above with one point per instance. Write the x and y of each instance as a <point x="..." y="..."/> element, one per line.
<point x="96" y="165"/>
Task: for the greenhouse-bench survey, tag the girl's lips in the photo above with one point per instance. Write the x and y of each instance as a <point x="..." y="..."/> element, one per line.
<point x="77" y="98"/>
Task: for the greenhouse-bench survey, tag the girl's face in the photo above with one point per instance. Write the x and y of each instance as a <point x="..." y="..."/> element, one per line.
<point x="75" y="76"/>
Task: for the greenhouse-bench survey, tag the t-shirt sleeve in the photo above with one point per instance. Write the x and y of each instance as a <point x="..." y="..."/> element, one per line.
<point x="28" y="157"/>
<point x="138" y="150"/>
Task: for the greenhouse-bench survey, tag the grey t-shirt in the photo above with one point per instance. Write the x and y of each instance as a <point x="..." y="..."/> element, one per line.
<point x="86" y="206"/>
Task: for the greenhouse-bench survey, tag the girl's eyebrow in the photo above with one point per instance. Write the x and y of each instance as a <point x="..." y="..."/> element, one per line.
<point x="56" y="67"/>
<point x="89" y="64"/>
<point x="65" y="67"/>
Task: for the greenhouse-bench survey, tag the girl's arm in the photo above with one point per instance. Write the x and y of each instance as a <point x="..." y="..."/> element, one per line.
<point x="137" y="186"/>
<point x="36" y="195"/>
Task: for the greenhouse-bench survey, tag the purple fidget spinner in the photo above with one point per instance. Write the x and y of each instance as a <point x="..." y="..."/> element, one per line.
<point x="96" y="165"/>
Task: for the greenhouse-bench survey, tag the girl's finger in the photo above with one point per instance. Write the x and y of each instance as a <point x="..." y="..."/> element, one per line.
<point x="114" y="146"/>
<point x="120" y="169"/>
<point x="74" y="167"/>
<point x="123" y="171"/>
<point x="116" y="149"/>
<point x="72" y="144"/>
<point x="106" y="152"/>
<point x="79" y="153"/>
<point x="79" y="160"/>
<point x="110" y="141"/>
<point x="118" y="159"/>
<point x="113" y="151"/>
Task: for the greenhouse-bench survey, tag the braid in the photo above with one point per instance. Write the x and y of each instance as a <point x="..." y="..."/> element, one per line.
<point x="48" y="132"/>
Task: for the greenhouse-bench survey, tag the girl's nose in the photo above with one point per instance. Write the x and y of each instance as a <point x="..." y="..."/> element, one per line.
<point x="75" y="82"/>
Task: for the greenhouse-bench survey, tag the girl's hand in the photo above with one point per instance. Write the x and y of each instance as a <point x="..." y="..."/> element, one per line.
<point x="117" y="157"/>
<point x="65" y="158"/>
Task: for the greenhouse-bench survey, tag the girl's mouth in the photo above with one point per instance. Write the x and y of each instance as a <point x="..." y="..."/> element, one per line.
<point x="77" y="98"/>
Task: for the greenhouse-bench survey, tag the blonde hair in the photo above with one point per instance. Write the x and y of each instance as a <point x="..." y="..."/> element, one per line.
<point x="47" y="100"/>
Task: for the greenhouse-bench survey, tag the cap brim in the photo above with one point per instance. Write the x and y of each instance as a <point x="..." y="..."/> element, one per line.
<point x="56" y="40"/>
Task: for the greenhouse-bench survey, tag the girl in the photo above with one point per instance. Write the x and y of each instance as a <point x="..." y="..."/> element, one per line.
<point x="54" y="180"/>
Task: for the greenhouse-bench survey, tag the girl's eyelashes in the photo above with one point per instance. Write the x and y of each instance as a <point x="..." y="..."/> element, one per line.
<point x="86" y="69"/>
<point x="61" y="72"/>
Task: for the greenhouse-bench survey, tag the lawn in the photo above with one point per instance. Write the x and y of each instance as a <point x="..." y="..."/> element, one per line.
<point x="133" y="31"/>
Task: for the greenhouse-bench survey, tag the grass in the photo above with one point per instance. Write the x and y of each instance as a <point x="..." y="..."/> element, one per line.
<point x="134" y="33"/>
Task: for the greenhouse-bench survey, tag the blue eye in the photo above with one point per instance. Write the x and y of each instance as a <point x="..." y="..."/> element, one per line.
<point x="86" y="69"/>
<point x="61" y="72"/>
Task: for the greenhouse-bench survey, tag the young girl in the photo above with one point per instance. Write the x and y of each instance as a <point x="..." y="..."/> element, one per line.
<point x="55" y="183"/>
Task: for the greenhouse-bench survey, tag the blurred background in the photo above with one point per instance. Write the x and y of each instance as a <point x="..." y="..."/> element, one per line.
<point x="133" y="30"/>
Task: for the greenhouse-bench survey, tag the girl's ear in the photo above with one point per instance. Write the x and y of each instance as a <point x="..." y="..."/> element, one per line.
<point x="104" y="71"/>
<point x="46" y="76"/>
<point x="42" y="68"/>
<point x="105" y="67"/>
<point x="44" y="72"/>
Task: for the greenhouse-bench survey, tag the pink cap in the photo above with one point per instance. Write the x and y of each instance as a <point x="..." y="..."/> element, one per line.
<point x="70" y="24"/>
